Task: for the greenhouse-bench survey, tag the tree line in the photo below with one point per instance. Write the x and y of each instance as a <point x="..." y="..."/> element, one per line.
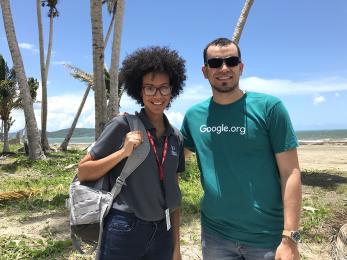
<point x="106" y="84"/>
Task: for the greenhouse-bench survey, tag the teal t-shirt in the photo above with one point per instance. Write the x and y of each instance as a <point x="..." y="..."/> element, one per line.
<point x="235" y="146"/>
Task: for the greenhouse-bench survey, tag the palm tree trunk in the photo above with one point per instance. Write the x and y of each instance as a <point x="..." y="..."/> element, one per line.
<point x="109" y="30"/>
<point x="113" y="102"/>
<point x="242" y="20"/>
<point x="2" y="131"/>
<point x="35" y="150"/>
<point x="98" y="66"/>
<point x="44" y="108"/>
<point x="50" y="40"/>
<point x="66" y="141"/>
<point x="43" y="67"/>
<point x="6" y="148"/>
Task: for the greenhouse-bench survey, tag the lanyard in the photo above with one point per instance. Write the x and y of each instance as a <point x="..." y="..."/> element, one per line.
<point x="160" y="165"/>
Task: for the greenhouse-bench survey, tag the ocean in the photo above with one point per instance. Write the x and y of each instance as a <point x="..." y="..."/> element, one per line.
<point x="323" y="136"/>
<point x="303" y="136"/>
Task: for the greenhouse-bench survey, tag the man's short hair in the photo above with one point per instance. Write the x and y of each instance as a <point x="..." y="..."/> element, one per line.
<point x="221" y="42"/>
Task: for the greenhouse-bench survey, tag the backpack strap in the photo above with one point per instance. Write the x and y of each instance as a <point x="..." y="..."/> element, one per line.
<point x="134" y="160"/>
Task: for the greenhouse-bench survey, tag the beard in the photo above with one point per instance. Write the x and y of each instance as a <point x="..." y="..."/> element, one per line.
<point x="225" y="88"/>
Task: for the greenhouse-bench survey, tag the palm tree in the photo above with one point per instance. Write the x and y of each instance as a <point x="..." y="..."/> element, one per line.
<point x="113" y="101"/>
<point x="111" y="4"/>
<point x="8" y="99"/>
<point x="98" y="66"/>
<point x="35" y="150"/>
<point x="242" y="20"/>
<point x="88" y="80"/>
<point x="53" y="12"/>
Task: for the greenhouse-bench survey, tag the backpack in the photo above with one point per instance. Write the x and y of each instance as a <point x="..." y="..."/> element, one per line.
<point x="89" y="203"/>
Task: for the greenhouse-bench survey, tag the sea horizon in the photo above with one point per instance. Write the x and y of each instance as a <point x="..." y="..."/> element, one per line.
<point x="337" y="135"/>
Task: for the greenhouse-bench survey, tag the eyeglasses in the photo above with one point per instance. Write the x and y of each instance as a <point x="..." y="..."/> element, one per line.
<point x="231" y="61"/>
<point x="152" y="90"/>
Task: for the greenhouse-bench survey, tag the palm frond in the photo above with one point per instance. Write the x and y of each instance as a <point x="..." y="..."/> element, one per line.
<point x="111" y="5"/>
<point x="80" y="75"/>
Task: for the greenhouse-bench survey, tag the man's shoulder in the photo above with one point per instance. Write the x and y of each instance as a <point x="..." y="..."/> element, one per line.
<point x="262" y="98"/>
<point x="203" y="105"/>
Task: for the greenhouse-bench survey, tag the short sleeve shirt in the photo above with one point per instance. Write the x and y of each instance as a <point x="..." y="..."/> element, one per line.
<point x="143" y="193"/>
<point x="235" y="146"/>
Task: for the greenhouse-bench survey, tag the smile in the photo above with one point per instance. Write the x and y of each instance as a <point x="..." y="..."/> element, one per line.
<point x="157" y="103"/>
<point x="224" y="78"/>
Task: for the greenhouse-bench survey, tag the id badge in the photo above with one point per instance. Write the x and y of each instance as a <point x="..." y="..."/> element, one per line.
<point x="167" y="216"/>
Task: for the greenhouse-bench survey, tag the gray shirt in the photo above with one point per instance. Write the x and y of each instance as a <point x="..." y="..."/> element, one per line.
<point x="144" y="194"/>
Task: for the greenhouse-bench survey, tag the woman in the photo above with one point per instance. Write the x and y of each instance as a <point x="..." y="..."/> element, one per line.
<point x="138" y="225"/>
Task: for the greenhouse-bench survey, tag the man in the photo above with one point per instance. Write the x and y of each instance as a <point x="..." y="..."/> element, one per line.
<point x="246" y="151"/>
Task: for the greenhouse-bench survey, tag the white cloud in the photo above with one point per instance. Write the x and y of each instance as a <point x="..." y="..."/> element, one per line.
<point x="318" y="99"/>
<point x="289" y="87"/>
<point x="62" y="62"/>
<point x="61" y="112"/>
<point x="196" y="93"/>
<point x="28" y="46"/>
<point x="127" y="104"/>
<point x="62" y="109"/>
<point x="175" y="118"/>
<point x="337" y="94"/>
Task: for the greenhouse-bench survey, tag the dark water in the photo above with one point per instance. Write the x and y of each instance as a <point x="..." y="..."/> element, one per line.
<point x="317" y="135"/>
<point x="323" y="135"/>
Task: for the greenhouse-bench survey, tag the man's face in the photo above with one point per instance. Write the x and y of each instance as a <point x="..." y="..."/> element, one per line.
<point x="225" y="78"/>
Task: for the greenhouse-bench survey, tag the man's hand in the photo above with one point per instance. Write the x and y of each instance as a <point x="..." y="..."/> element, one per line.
<point x="287" y="250"/>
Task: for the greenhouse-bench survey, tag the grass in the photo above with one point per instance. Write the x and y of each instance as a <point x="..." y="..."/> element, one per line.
<point x="23" y="247"/>
<point x="47" y="182"/>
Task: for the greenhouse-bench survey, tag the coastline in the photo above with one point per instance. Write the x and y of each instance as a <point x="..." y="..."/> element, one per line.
<point x="313" y="155"/>
<point x="322" y="142"/>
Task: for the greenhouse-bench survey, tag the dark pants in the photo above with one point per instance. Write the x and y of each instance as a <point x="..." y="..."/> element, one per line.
<point x="126" y="237"/>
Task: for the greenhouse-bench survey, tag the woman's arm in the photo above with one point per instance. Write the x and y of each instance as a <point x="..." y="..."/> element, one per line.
<point x="175" y="224"/>
<point x="91" y="170"/>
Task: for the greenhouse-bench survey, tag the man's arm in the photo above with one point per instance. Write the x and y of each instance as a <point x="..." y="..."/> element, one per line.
<point x="288" y="166"/>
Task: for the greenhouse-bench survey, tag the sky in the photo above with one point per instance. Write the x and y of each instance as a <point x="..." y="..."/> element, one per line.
<point x="293" y="49"/>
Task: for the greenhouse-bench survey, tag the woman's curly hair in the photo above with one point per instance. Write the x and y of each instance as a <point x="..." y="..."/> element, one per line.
<point x="152" y="59"/>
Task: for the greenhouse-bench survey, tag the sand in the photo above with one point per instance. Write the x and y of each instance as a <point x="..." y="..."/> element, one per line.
<point x="326" y="156"/>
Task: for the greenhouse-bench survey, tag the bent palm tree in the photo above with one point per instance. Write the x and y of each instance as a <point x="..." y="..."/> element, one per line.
<point x="35" y="150"/>
<point x="242" y="20"/>
<point x="87" y="79"/>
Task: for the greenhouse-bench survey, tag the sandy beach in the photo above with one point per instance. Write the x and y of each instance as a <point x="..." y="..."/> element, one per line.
<point x="323" y="156"/>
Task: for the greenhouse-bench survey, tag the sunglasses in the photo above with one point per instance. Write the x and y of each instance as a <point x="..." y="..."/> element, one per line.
<point x="152" y="90"/>
<point x="231" y="61"/>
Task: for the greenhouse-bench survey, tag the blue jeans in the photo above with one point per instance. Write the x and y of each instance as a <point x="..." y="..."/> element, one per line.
<point x="217" y="248"/>
<point x="126" y="237"/>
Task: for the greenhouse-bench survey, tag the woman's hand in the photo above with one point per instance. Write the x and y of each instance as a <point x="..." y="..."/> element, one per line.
<point x="132" y="140"/>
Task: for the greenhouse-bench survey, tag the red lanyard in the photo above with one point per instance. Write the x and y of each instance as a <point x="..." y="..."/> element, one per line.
<point x="160" y="165"/>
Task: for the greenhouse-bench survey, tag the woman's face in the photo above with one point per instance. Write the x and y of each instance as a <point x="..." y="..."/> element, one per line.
<point x="156" y="92"/>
